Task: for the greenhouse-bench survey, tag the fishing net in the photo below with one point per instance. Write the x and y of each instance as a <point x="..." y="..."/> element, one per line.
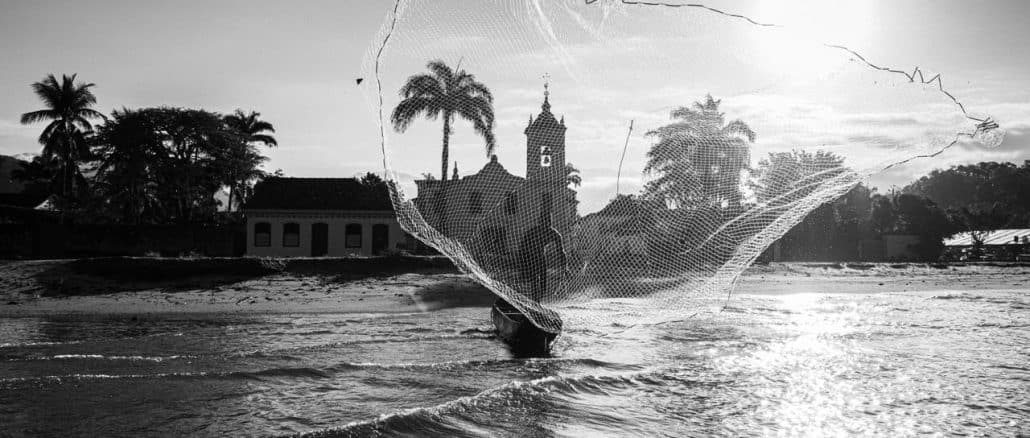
<point x="576" y="155"/>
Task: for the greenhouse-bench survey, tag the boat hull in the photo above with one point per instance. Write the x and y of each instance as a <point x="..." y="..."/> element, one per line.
<point x="523" y="336"/>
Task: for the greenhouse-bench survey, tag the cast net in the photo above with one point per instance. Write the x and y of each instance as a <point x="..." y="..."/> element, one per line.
<point x="577" y="155"/>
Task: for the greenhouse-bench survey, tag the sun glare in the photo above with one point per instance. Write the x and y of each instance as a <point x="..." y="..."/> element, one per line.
<point x="804" y="26"/>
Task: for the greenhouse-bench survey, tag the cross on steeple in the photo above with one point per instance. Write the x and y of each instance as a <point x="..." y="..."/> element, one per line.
<point x="547" y="92"/>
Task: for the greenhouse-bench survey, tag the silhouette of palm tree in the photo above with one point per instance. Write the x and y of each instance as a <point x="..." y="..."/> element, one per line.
<point x="244" y="160"/>
<point x="68" y="108"/>
<point x="698" y="157"/>
<point x="572" y="176"/>
<point x="446" y="93"/>
<point x="252" y="128"/>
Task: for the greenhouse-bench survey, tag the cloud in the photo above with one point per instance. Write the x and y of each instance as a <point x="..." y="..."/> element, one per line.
<point x="1015" y="148"/>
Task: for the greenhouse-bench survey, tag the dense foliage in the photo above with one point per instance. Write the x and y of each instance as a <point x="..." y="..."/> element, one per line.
<point x="699" y="165"/>
<point x="144" y="166"/>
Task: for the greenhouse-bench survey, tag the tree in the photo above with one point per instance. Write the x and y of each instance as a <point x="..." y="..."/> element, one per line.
<point x="253" y="129"/>
<point x="920" y="216"/>
<point x="446" y="93"/>
<point x="572" y="176"/>
<point x="698" y="159"/>
<point x="978" y="189"/>
<point x="242" y="161"/>
<point x="68" y="109"/>
<point x="192" y="150"/>
<point x="980" y="220"/>
<point x="131" y="154"/>
<point x="789" y="176"/>
<point x="370" y="179"/>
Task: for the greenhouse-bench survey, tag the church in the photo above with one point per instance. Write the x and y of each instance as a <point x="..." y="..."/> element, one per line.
<point x="491" y="210"/>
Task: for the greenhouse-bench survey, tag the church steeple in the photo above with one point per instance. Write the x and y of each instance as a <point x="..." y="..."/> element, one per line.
<point x="545" y="143"/>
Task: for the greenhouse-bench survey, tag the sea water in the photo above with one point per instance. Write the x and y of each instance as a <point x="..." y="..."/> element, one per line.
<point x="885" y="364"/>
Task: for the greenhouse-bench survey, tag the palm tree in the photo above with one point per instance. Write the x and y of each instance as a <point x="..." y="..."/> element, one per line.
<point x="698" y="159"/>
<point x="245" y="160"/>
<point x="572" y="176"/>
<point x="252" y="128"/>
<point x="68" y="108"/>
<point x="446" y="93"/>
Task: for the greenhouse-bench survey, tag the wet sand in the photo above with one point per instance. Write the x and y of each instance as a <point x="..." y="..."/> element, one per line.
<point x="29" y="288"/>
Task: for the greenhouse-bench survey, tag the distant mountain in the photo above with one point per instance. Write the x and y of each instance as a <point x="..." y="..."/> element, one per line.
<point x="13" y="192"/>
<point x="26" y="156"/>
<point x="7" y="166"/>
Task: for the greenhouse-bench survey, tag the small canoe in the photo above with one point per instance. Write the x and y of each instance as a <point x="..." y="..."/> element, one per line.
<point x="520" y="333"/>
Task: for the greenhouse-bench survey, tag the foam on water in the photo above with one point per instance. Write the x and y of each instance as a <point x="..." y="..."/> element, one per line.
<point x="814" y="364"/>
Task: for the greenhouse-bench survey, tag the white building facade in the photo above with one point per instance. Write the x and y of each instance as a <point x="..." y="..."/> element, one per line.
<point x="322" y="217"/>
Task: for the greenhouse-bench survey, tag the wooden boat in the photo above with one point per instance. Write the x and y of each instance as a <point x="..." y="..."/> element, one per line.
<point x="523" y="336"/>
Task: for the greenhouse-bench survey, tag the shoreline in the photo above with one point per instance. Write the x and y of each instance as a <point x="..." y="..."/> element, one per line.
<point x="198" y="287"/>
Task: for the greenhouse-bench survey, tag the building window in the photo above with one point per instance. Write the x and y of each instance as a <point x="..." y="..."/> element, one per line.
<point x="262" y="234"/>
<point x="475" y="203"/>
<point x="352" y="236"/>
<point x="291" y="235"/>
<point x="545" y="156"/>
<point x="511" y="203"/>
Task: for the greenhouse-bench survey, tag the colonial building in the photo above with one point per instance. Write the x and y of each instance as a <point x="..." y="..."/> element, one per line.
<point x="316" y="217"/>
<point x="493" y="208"/>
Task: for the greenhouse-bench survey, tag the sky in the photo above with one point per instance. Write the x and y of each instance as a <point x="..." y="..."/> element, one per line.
<point x="296" y="63"/>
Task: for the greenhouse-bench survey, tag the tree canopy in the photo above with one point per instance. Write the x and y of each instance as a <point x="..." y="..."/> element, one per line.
<point x="698" y="159"/>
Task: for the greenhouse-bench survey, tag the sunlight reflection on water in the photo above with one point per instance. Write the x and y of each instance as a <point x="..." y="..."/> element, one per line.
<point x="794" y="365"/>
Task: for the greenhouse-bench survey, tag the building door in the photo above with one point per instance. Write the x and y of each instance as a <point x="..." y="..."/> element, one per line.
<point x="380" y="238"/>
<point x="319" y="240"/>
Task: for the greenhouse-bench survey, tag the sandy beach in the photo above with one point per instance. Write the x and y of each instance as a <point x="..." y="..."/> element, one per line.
<point x="32" y="288"/>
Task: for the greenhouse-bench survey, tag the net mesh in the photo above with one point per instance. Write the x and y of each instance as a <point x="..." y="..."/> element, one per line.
<point x="699" y="137"/>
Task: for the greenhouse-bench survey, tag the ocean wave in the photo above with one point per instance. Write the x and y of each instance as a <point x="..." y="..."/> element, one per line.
<point x="472" y="364"/>
<point x="393" y="340"/>
<point x="510" y="396"/>
<point x="304" y="372"/>
<point x="308" y="372"/>
<point x="104" y="357"/>
<point x="37" y="344"/>
<point x="82" y="341"/>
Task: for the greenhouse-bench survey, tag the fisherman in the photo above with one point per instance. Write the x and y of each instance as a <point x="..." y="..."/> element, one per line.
<point x="532" y="255"/>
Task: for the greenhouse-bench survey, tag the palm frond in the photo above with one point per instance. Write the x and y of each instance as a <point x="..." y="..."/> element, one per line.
<point x="49" y="91"/>
<point x="88" y="113"/>
<point x="267" y="140"/>
<point x="475" y="89"/>
<point x="738" y="127"/>
<point x="39" y="116"/>
<point x="408" y="110"/>
<point x="422" y="86"/>
<point x="48" y="132"/>
<point x="441" y="70"/>
<point x="479" y="111"/>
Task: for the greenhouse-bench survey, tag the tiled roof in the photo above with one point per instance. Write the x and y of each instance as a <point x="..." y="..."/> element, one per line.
<point x="318" y="194"/>
<point x="997" y="237"/>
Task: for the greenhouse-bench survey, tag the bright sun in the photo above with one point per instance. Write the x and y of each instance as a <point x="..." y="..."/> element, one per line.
<point x="803" y="22"/>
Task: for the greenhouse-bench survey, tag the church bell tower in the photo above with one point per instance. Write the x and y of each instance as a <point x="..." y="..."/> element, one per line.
<point x="545" y="146"/>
